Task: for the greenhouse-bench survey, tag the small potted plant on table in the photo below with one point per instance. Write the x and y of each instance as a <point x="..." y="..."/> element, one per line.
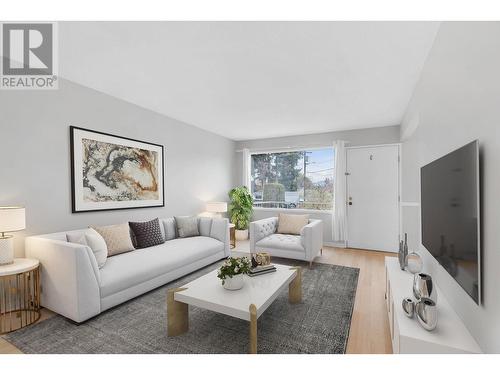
<point x="240" y="210"/>
<point x="232" y="272"/>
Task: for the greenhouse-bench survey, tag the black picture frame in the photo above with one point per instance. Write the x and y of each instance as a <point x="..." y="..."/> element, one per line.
<point x="75" y="204"/>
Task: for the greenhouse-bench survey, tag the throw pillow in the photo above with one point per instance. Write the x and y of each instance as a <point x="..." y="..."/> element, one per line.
<point x="187" y="226"/>
<point x="292" y="224"/>
<point x="98" y="246"/>
<point x="147" y="233"/>
<point x="205" y="224"/>
<point x="93" y="240"/>
<point x="169" y="227"/>
<point x="117" y="238"/>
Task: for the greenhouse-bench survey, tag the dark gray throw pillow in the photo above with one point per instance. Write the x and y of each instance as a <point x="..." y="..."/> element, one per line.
<point x="187" y="226"/>
<point x="147" y="233"/>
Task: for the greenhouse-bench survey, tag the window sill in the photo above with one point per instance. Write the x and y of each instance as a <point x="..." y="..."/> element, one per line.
<point x="297" y="210"/>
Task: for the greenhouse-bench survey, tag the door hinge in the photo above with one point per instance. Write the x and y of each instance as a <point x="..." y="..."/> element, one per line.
<point x="347" y="173"/>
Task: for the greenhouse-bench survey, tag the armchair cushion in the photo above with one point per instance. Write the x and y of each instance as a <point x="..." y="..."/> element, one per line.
<point x="281" y="241"/>
<point x="291" y="224"/>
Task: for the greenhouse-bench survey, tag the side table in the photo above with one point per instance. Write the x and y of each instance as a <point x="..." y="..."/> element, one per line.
<point x="232" y="235"/>
<point x="19" y="294"/>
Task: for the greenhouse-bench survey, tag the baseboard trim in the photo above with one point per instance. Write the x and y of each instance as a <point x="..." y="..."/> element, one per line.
<point x="335" y="244"/>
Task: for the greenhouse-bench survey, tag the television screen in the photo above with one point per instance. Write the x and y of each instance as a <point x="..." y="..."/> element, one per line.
<point x="450" y="215"/>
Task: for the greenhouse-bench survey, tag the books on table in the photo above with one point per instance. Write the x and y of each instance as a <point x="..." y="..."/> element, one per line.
<point x="261" y="270"/>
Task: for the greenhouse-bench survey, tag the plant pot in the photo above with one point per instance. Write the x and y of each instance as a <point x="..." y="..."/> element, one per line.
<point x="241" y="235"/>
<point x="234" y="283"/>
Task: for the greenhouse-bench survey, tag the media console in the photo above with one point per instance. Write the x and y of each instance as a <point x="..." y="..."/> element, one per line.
<point x="450" y="335"/>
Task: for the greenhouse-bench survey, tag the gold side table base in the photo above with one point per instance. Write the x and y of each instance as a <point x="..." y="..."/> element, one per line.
<point x="19" y="300"/>
<point x="177" y="314"/>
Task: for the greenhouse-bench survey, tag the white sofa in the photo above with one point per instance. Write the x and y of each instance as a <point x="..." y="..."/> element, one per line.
<point x="307" y="246"/>
<point x="74" y="286"/>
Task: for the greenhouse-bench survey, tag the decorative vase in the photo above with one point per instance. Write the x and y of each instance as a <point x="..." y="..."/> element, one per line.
<point x="414" y="263"/>
<point x="234" y="283"/>
<point x="408" y="307"/>
<point x="423" y="287"/>
<point x="403" y="252"/>
<point x="400" y="255"/>
<point x="427" y="314"/>
<point x="241" y="235"/>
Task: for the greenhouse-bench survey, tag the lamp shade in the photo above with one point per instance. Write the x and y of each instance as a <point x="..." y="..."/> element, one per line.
<point x="217" y="207"/>
<point x="12" y="219"/>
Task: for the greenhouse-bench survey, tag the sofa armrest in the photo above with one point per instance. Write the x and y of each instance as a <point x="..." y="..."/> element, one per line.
<point x="220" y="231"/>
<point x="260" y="229"/>
<point x="312" y="238"/>
<point x="69" y="277"/>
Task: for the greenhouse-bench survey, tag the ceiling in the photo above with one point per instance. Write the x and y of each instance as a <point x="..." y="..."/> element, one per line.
<point x="249" y="80"/>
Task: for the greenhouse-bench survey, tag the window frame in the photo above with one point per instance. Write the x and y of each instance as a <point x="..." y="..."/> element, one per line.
<point x="283" y="150"/>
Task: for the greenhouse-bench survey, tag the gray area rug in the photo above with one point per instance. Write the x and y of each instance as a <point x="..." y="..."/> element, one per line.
<point x="320" y="324"/>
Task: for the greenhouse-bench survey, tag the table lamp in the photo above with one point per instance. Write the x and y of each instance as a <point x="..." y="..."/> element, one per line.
<point x="11" y="219"/>
<point x="217" y="208"/>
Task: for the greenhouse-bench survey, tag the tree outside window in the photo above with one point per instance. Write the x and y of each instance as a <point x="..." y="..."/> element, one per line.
<point x="294" y="179"/>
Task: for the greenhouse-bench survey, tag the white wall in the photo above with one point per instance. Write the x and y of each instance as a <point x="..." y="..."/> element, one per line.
<point x="456" y="101"/>
<point x="361" y="137"/>
<point x="35" y="154"/>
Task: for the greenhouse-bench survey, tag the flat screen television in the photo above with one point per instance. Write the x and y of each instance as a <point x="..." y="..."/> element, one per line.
<point x="450" y="215"/>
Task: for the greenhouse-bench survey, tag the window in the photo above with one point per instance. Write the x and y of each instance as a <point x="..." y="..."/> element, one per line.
<point x="294" y="179"/>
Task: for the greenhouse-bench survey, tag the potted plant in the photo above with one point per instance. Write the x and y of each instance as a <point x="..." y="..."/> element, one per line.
<point x="240" y="210"/>
<point x="231" y="272"/>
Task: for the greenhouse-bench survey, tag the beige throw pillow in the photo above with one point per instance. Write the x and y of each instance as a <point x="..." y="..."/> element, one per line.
<point x="292" y="224"/>
<point x="117" y="238"/>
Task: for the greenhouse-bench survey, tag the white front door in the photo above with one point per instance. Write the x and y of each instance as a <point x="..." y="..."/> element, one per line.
<point x="373" y="198"/>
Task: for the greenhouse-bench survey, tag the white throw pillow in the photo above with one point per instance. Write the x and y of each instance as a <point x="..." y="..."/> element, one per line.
<point x="93" y="240"/>
<point x="98" y="245"/>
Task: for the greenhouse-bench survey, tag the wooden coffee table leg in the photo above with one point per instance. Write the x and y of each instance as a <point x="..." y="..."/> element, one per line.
<point x="177" y="314"/>
<point x="295" y="287"/>
<point x="253" y="329"/>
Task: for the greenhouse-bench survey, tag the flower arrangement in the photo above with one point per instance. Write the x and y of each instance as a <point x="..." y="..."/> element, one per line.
<point x="234" y="266"/>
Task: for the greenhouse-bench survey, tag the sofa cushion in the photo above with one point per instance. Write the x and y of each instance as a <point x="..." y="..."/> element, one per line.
<point x="187" y="226"/>
<point x="169" y="227"/>
<point x="281" y="242"/>
<point x="291" y="224"/>
<point x="93" y="240"/>
<point x="147" y="233"/>
<point x="126" y="270"/>
<point x="205" y="224"/>
<point x="117" y="238"/>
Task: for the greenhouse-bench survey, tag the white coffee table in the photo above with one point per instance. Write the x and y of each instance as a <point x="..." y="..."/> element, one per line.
<point x="247" y="303"/>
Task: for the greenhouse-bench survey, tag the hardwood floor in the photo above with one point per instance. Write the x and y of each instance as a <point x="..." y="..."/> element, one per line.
<point x="369" y="333"/>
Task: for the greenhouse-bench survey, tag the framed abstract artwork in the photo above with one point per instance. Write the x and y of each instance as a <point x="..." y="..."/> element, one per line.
<point x="110" y="172"/>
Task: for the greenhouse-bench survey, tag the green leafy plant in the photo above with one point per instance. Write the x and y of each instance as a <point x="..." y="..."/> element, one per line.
<point x="234" y="266"/>
<point x="241" y="207"/>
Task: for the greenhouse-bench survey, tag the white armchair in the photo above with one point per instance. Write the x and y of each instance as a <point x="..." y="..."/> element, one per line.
<point x="307" y="246"/>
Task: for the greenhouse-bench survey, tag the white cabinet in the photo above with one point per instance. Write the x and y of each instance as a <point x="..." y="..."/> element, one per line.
<point x="450" y="335"/>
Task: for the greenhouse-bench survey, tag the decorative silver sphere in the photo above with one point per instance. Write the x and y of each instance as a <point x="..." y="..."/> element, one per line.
<point x="414" y="263"/>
